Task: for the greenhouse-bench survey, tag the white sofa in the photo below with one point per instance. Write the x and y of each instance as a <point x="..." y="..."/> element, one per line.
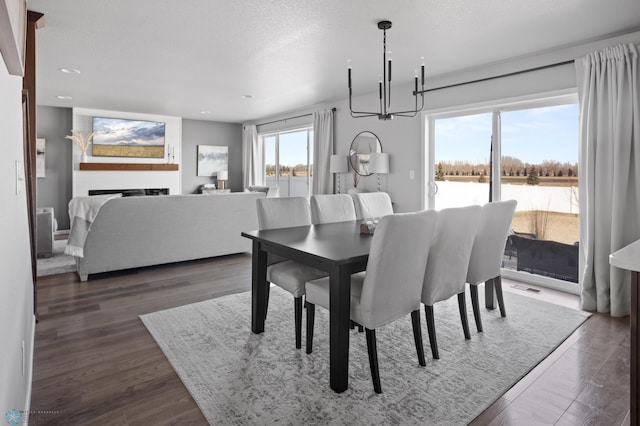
<point x="132" y="232"/>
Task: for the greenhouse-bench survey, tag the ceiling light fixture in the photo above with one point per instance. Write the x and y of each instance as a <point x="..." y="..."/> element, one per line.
<point x="247" y="96"/>
<point x="69" y="70"/>
<point x="384" y="85"/>
<point x="64" y="98"/>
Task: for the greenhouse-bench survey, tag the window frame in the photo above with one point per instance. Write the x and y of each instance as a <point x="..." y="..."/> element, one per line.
<point x="495" y="107"/>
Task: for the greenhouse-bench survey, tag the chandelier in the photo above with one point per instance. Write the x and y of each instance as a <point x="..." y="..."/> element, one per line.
<point x="384" y="86"/>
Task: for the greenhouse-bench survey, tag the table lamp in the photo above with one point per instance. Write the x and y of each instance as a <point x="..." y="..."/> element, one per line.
<point x="222" y="176"/>
<point x="338" y="164"/>
<point x="379" y="164"/>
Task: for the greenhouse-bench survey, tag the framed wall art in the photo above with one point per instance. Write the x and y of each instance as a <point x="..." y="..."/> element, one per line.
<point x="212" y="159"/>
<point x="40" y="157"/>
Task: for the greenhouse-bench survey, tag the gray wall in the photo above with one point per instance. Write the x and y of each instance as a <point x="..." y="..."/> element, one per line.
<point x="198" y="132"/>
<point x="16" y="283"/>
<point x="54" y="190"/>
<point x="404" y="139"/>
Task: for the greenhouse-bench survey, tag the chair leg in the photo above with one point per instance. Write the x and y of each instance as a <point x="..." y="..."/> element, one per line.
<point x="431" y="329"/>
<point x="373" y="359"/>
<point x="311" y="315"/>
<point x="498" y="286"/>
<point x="476" y="307"/>
<point x="417" y="336"/>
<point x="462" y="304"/>
<point x="297" y="303"/>
<point x="266" y="299"/>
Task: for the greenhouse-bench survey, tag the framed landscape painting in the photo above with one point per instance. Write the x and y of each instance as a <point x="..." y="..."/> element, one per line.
<point x="212" y="159"/>
<point x="114" y="137"/>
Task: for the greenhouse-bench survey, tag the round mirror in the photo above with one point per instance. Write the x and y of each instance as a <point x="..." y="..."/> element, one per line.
<point x="363" y="145"/>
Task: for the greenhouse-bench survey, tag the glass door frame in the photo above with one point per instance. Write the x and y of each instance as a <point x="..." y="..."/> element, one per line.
<point x="429" y="185"/>
<point x="276" y="134"/>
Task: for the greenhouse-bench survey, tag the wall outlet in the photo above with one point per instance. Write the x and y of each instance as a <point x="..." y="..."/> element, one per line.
<point x="412" y="174"/>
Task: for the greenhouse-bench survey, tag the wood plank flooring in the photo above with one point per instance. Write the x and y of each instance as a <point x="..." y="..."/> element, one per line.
<point x="95" y="362"/>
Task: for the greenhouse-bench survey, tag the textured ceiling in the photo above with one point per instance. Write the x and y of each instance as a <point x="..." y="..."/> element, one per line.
<point x="183" y="57"/>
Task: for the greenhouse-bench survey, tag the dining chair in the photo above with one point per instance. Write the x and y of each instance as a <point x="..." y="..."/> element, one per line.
<point x="488" y="251"/>
<point x="446" y="271"/>
<point x="287" y="212"/>
<point x="330" y="208"/>
<point x="390" y="286"/>
<point x="372" y="204"/>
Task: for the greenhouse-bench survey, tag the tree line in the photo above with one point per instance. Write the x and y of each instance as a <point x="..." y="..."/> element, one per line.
<point x="297" y="170"/>
<point x="511" y="166"/>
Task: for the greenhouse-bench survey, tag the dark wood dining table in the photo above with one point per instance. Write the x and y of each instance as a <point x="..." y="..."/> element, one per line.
<point x="337" y="248"/>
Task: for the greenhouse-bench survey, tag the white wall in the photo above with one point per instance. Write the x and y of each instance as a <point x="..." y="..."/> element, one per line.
<point x="83" y="181"/>
<point x="16" y="284"/>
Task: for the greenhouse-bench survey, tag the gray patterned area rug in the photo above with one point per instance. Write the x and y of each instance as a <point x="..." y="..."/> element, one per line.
<point x="237" y="377"/>
<point x="59" y="263"/>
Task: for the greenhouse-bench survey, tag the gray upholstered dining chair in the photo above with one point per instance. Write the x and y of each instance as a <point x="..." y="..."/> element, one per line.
<point x="291" y="276"/>
<point x="330" y="208"/>
<point x="372" y="204"/>
<point x="446" y="271"/>
<point x="390" y="287"/>
<point x="488" y="252"/>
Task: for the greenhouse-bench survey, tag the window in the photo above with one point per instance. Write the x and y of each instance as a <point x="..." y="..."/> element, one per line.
<point x="527" y="152"/>
<point x="289" y="161"/>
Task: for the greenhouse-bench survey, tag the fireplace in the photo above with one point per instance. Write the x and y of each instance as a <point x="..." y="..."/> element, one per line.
<point x="131" y="192"/>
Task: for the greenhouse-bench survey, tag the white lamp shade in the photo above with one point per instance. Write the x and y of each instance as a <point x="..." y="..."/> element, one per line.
<point x="379" y="163"/>
<point x="223" y="175"/>
<point x="338" y="164"/>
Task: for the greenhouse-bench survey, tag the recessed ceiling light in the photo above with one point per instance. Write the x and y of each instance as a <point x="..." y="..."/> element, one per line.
<point x="64" y="98"/>
<point x="205" y="112"/>
<point x="69" y="70"/>
<point x="247" y="96"/>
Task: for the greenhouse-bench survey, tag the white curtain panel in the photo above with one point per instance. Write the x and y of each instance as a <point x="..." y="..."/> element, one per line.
<point x="253" y="172"/>
<point x="609" y="91"/>
<point x="322" y="182"/>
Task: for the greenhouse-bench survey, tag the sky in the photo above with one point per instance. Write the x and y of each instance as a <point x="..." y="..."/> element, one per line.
<point x="532" y="135"/>
<point x="293" y="148"/>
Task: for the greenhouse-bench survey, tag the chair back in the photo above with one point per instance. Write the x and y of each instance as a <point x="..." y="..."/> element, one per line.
<point x="332" y="208"/>
<point x="282" y="212"/>
<point x="491" y="238"/>
<point x="372" y="204"/>
<point x="395" y="270"/>
<point x="446" y="270"/>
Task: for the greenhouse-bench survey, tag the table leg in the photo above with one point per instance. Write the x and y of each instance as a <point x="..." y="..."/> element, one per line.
<point x="258" y="287"/>
<point x="489" y="295"/>
<point x="339" y="320"/>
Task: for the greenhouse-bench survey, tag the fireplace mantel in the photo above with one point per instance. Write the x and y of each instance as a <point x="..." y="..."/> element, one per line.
<point x="128" y="167"/>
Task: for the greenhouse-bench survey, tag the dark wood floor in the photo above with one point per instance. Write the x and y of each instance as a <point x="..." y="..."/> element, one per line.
<point x="95" y="362"/>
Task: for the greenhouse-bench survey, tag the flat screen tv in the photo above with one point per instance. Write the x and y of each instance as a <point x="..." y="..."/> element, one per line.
<point x="116" y="137"/>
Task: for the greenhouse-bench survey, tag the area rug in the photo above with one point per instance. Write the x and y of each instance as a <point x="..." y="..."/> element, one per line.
<point x="237" y="377"/>
<point x="59" y="263"/>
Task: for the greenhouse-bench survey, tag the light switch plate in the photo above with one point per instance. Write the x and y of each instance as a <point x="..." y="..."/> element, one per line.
<point x="19" y="177"/>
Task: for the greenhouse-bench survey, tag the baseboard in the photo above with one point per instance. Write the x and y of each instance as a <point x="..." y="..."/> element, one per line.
<point x="27" y="397"/>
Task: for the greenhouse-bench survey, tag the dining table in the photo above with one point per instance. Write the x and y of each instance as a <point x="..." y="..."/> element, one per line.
<point x="340" y="250"/>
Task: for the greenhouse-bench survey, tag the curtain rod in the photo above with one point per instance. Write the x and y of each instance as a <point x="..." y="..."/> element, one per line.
<point x="509" y="74"/>
<point x="289" y="118"/>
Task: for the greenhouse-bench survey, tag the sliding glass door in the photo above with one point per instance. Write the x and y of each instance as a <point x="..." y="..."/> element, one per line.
<point x="289" y="161"/>
<point x="527" y="152"/>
